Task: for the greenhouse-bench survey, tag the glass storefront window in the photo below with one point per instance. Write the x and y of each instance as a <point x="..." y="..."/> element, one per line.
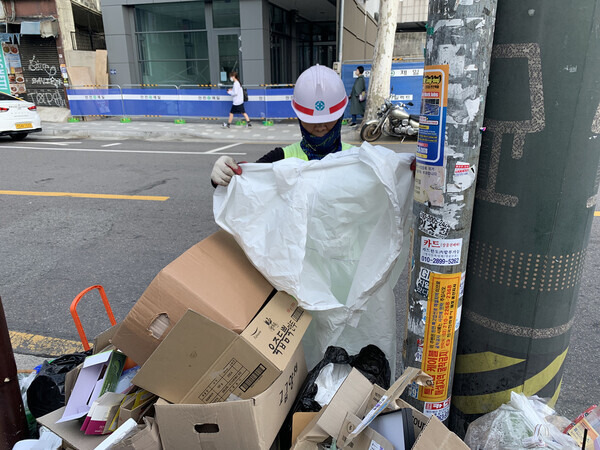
<point x="182" y="16"/>
<point x="229" y="56"/>
<point x="175" y="72"/>
<point x="172" y="43"/>
<point x="226" y="13"/>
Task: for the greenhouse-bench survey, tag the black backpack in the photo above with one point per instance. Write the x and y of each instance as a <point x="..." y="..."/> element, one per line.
<point x="245" y="94"/>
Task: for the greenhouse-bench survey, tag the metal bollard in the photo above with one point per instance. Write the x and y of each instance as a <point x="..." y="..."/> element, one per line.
<point x="13" y="423"/>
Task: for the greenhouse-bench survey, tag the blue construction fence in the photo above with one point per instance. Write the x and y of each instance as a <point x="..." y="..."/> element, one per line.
<point x="406" y="82"/>
<point x="265" y="102"/>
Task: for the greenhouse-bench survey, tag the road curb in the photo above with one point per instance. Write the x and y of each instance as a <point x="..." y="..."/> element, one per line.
<point x="137" y="135"/>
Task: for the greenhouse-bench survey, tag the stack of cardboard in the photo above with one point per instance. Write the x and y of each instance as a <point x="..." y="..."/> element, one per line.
<point x="215" y="342"/>
<point x="220" y="364"/>
<point x="352" y="414"/>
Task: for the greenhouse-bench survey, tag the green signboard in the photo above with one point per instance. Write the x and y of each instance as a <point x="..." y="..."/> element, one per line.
<point x="4" y="86"/>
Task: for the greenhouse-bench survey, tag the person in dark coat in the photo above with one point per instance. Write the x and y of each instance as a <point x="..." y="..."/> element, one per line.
<point x="357" y="107"/>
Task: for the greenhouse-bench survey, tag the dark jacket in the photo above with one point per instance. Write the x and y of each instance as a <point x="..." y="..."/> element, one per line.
<point x="357" y="107"/>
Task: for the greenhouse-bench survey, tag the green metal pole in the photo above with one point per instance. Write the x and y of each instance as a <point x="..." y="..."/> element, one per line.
<point x="13" y="423"/>
<point x="536" y="193"/>
<point x="455" y="81"/>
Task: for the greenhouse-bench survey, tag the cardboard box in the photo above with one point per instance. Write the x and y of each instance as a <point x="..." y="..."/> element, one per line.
<point x="70" y="431"/>
<point x="135" y="407"/>
<point x="99" y="374"/>
<point x="300" y="421"/>
<point x="214" y="278"/>
<point x="249" y="424"/>
<point x="201" y="361"/>
<point x="356" y="398"/>
<point x="146" y="438"/>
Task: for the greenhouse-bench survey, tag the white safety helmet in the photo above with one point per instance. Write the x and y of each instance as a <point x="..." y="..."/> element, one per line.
<point x="319" y="95"/>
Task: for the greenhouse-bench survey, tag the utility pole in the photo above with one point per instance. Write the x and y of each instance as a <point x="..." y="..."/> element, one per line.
<point x="379" y="80"/>
<point x="455" y="80"/>
<point x="13" y="423"/>
<point x="536" y="196"/>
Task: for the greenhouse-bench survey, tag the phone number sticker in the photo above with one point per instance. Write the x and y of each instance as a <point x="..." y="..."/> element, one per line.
<point x="440" y="252"/>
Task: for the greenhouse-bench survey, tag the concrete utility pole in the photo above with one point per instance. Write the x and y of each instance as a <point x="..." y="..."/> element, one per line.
<point x="536" y="196"/>
<point x="379" y="80"/>
<point x="455" y="80"/>
<point x="13" y="423"/>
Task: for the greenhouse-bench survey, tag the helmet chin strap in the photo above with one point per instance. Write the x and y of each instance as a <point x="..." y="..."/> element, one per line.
<point x="318" y="147"/>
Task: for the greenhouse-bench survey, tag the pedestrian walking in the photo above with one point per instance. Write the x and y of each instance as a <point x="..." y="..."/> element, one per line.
<point x="319" y="101"/>
<point x="357" y="96"/>
<point x="237" y="106"/>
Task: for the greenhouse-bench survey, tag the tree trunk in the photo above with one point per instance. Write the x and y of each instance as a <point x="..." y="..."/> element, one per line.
<point x="379" y="81"/>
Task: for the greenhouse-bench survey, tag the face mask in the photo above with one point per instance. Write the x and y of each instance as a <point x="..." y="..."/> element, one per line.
<point x="319" y="147"/>
<point x="231" y="79"/>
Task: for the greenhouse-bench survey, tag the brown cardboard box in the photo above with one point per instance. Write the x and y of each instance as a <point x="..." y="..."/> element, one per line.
<point x="214" y="278"/>
<point x="70" y="432"/>
<point x="357" y="397"/>
<point x="201" y="361"/>
<point x="146" y="438"/>
<point x="300" y="421"/>
<point x="249" y="424"/>
<point x="129" y="410"/>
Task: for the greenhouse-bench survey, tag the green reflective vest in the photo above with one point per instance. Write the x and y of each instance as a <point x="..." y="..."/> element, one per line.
<point x="295" y="151"/>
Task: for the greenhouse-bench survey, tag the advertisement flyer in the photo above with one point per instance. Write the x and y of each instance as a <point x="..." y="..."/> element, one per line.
<point x="442" y="307"/>
<point x="440" y="252"/>
<point x="432" y="124"/>
<point x="14" y="68"/>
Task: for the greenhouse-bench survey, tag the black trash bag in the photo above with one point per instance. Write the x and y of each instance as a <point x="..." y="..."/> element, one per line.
<point x="370" y="361"/>
<point x="47" y="391"/>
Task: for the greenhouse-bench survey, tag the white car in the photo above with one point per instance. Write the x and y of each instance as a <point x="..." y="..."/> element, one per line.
<point x="18" y="117"/>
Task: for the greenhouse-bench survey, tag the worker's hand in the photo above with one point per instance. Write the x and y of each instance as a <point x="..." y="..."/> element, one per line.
<point x="225" y="167"/>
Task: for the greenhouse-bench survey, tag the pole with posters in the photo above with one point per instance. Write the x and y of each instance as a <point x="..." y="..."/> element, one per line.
<point x="13" y="422"/>
<point x="536" y="195"/>
<point x="455" y="80"/>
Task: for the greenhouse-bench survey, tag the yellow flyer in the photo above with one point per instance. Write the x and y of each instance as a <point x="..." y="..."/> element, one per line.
<point x="442" y="305"/>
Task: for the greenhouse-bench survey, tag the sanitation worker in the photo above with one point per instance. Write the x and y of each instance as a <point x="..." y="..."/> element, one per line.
<point x="319" y="101"/>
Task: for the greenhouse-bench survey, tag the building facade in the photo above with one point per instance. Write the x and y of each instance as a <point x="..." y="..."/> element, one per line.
<point x="172" y="42"/>
<point x="411" y="32"/>
<point x="41" y="38"/>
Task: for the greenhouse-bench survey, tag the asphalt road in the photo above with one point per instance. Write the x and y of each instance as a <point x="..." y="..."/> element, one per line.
<point x="55" y="246"/>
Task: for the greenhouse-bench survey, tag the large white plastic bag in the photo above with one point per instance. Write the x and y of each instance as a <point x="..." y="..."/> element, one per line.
<point x="513" y="425"/>
<point x="332" y="233"/>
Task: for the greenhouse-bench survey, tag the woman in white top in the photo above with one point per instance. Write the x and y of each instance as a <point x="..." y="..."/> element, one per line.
<point x="238" y="100"/>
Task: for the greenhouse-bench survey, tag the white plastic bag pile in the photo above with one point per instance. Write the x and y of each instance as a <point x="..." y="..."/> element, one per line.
<point x="520" y="424"/>
<point x="332" y="233"/>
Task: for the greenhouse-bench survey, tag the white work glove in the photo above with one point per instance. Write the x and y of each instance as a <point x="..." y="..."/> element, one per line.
<point x="223" y="170"/>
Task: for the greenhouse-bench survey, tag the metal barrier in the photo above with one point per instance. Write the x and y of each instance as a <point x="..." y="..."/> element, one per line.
<point x="406" y="81"/>
<point x="265" y="101"/>
<point x="96" y="100"/>
<point x="153" y="100"/>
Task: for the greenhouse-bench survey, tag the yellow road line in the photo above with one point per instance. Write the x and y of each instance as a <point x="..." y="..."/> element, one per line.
<point x="42" y="345"/>
<point x="597" y="213"/>
<point x="72" y="194"/>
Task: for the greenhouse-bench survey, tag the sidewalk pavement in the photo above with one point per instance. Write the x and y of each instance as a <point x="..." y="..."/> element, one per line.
<point x="165" y="129"/>
<point x="29" y="362"/>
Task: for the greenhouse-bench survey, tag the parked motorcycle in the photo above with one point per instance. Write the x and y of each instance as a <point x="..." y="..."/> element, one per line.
<point x="393" y="120"/>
